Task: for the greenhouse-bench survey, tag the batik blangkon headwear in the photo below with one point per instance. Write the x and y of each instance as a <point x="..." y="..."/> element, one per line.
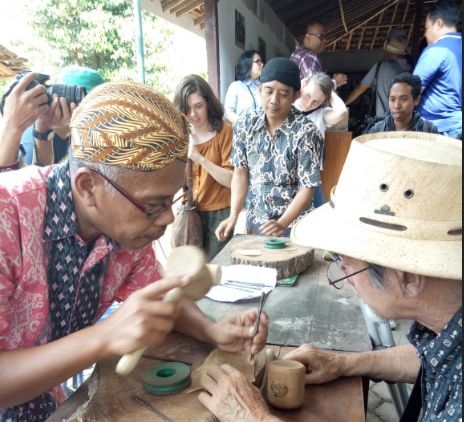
<point x="130" y="125"/>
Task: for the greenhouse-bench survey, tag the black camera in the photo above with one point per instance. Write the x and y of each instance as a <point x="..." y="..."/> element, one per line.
<point x="72" y="93"/>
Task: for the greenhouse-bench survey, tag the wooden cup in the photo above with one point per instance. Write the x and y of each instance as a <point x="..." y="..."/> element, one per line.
<point x="286" y="383"/>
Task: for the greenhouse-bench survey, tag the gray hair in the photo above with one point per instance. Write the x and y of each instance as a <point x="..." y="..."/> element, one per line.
<point x="115" y="173"/>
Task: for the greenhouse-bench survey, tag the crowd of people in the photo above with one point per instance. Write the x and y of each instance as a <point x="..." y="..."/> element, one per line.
<point x="76" y="228"/>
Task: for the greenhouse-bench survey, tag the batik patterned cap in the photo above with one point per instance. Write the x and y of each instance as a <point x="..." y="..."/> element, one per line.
<point x="130" y="125"/>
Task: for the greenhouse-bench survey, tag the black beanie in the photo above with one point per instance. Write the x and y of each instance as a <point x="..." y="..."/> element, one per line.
<point x="282" y="70"/>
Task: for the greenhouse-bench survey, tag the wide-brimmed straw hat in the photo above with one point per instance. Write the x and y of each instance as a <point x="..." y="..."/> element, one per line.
<point x="398" y="203"/>
<point x="397" y="46"/>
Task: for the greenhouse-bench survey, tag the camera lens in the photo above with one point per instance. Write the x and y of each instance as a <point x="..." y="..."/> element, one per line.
<point x="72" y="93"/>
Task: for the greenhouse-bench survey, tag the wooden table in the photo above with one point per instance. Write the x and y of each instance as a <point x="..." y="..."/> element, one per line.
<point x="311" y="311"/>
<point x="107" y="396"/>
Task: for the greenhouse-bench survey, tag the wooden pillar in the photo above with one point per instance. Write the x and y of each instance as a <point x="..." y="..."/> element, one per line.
<point x="336" y="147"/>
<point x="416" y="29"/>
<point x="212" y="44"/>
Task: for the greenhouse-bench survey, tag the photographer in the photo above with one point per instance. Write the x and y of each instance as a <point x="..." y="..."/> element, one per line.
<point x="70" y="82"/>
<point x="45" y="141"/>
<point x="22" y="107"/>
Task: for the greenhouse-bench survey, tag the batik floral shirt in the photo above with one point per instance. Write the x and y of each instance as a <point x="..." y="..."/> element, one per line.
<point x="51" y="282"/>
<point x="441" y="359"/>
<point x="278" y="165"/>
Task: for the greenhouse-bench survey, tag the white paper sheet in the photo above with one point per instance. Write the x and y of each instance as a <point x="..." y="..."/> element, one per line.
<point x="240" y="282"/>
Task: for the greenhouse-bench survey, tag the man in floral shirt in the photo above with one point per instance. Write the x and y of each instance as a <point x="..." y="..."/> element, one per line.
<point x="76" y="236"/>
<point x="276" y="155"/>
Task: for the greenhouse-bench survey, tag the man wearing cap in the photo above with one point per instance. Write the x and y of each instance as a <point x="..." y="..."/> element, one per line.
<point x="440" y="69"/>
<point x="402" y="254"/>
<point x="77" y="236"/>
<point x="381" y="74"/>
<point x="276" y="154"/>
<point x="403" y="96"/>
<point x="306" y="57"/>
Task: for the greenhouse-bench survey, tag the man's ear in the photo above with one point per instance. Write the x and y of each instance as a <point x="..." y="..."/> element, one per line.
<point x="85" y="187"/>
<point x="413" y="284"/>
<point x="296" y="95"/>
<point x="417" y="100"/>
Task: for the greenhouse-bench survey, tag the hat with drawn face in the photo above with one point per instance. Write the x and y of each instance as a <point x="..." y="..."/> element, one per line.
<point x="130" y="125"/>
<point x="398" y="203"/>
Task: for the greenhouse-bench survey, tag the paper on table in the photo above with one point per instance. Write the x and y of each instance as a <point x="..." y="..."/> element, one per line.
<point x="239" y="282"/>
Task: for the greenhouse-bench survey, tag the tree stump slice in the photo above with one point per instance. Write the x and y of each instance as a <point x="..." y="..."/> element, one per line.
<point x="289" y="261"/>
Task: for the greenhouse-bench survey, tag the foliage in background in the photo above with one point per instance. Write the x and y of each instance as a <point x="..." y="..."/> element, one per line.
<point x="99" y="34"/>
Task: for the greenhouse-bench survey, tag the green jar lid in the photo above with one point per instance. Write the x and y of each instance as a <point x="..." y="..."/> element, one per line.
<point x="166" y="378"/>
<point x="274" y="244"/>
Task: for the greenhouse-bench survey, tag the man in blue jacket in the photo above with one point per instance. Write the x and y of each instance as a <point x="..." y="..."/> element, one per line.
<point x="440" y="69"/>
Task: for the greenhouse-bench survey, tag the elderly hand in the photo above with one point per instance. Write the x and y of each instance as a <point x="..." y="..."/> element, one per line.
<point x="340" y="79"/>
<point x="231" y="397"/>
<point x="323" y="365"/>
<point x="235" y="334"/>
<point x="23" y="107"/>
<point x="142" y="320"/>
<point x="272" y="228"/>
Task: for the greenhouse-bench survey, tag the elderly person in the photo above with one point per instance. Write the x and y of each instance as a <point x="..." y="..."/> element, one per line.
<point x="77" y="235"/>
<point x="402" y="254"/>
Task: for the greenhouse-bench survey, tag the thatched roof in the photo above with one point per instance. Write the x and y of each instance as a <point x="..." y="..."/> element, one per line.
<point x="10" y="63"/>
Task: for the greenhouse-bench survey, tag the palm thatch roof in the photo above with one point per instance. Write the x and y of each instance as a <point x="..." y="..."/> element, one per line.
<point x="10" y="63"/>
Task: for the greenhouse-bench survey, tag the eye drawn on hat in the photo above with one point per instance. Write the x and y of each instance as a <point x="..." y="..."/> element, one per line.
<point x="384" y="187"/>
<point x="408" y="193"/>
<point x="384" y="210"/>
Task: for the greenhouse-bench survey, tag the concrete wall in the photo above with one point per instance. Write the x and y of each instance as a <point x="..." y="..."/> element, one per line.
<point x="260" y="22"/>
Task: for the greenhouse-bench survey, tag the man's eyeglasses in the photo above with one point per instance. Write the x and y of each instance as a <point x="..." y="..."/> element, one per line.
<point x="322" y="37"/>
<point x="154" y="211"/>
<point x="335" y="274"/>
<point x="258" y="61"/>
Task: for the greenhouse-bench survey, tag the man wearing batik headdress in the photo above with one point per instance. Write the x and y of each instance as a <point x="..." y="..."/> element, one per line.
<point x="76" y="236"/>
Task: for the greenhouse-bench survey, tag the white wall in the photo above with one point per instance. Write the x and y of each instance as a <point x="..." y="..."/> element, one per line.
<point x="264" y="24"/>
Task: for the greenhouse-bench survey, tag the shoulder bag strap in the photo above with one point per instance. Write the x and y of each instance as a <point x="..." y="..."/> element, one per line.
<point x="252" y="96"/>
<point x="190" y="201"/>
<point x="413" y="407"/>
<point x="374" y="90"/>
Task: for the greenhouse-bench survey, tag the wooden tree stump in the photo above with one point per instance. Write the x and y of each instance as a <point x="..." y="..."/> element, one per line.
<point x="288" y="262"/>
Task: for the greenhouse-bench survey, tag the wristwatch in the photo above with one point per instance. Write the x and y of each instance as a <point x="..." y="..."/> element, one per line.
<point x="43" y="136"/>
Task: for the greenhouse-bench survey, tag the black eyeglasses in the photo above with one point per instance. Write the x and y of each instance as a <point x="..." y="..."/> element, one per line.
<point x="335" y="274"/>
<point x="322" y="37"/>
<point x="155" y="211"/>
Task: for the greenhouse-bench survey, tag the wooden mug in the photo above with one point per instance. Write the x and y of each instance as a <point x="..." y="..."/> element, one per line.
<point x="286" y="383"/>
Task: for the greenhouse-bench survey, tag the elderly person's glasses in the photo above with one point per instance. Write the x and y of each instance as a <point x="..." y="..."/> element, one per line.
<point x="149" y="213"/>
<point x="335" y="274"/>
<point x="322" y="37"/>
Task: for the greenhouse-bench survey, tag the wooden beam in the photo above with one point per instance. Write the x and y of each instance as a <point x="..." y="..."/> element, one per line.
<point x="189" y="7"/>
<point x="179" y="6"/>
<point x="416" y="29"/>
<point x="198" y="20"/>
<point x="212" y="44"/>
<point x="167" y="4"/>
<point x="361" y="38"/>
<point x="376" y="32"/>
<point x="364" y="22"/>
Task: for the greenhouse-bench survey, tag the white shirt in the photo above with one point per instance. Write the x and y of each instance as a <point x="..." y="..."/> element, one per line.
<point x="242" y="97"/>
